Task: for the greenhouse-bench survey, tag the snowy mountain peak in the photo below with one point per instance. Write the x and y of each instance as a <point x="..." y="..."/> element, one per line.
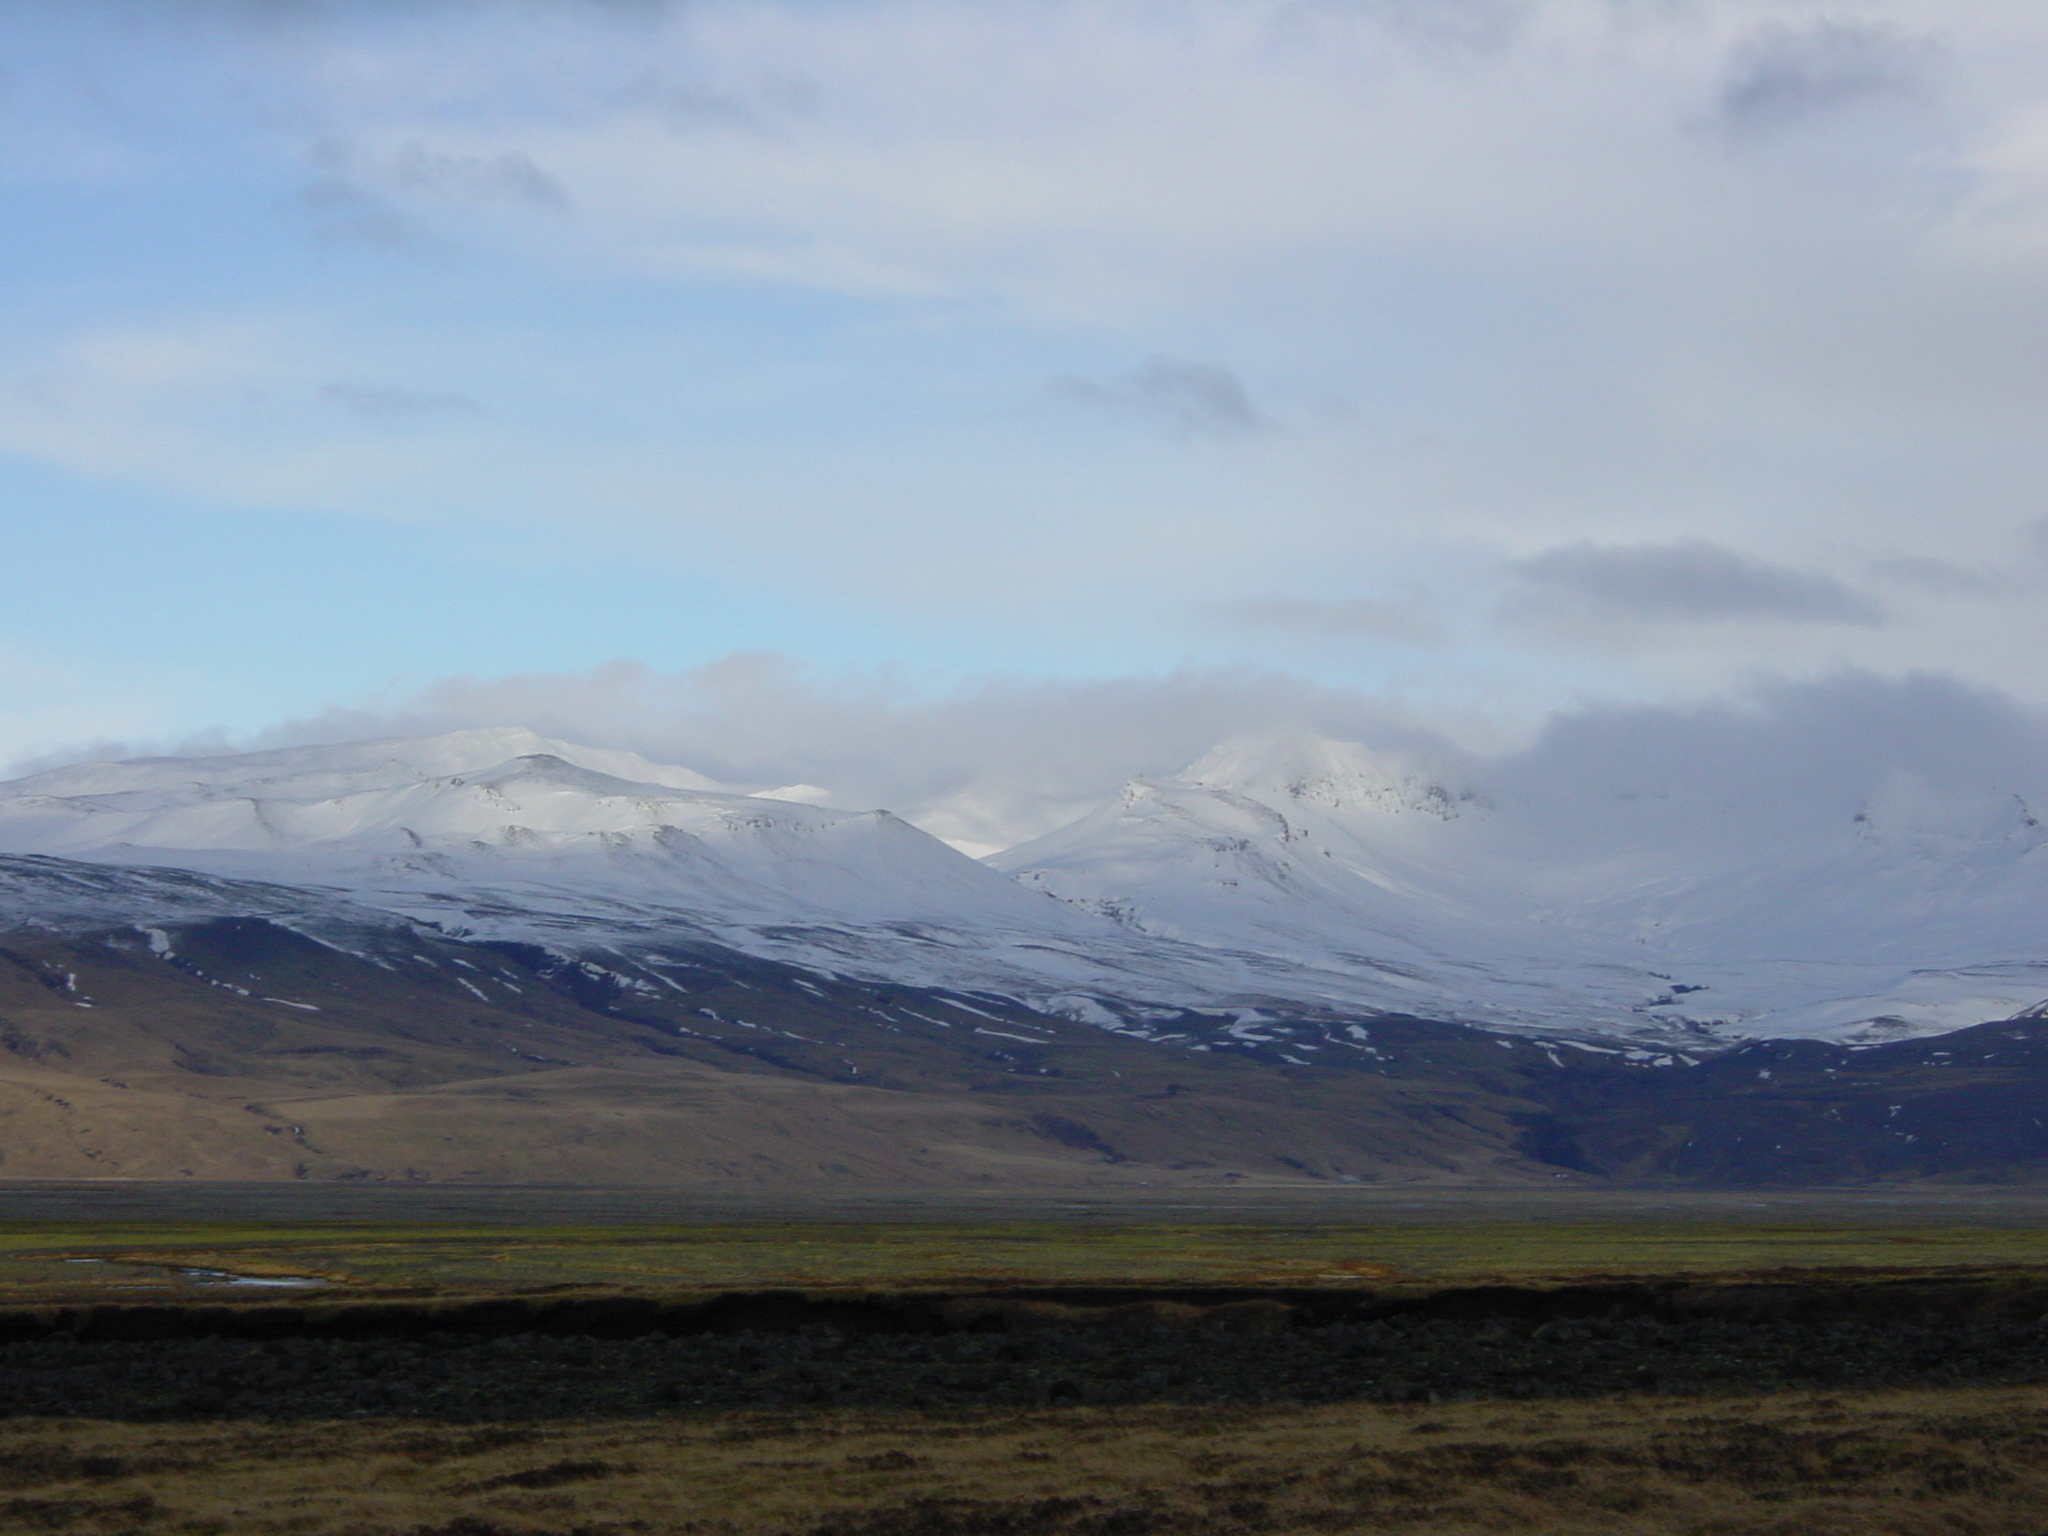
<point x="549" y="770"/>
<point x="384" y="762"/>
<point x="554" y="839"/>
<point x="1296" y="766"/>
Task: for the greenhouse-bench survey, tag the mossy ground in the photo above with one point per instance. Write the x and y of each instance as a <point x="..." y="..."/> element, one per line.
<point x="1957" y="1463"/>
<point x="378" y="1257"/>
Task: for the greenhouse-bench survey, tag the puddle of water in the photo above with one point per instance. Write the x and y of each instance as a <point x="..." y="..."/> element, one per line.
<point x="228" y="1277"/>
<point x="213" y="1276"/>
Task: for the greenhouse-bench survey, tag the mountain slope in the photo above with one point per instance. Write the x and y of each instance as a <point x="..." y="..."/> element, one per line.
<point x="543" y="848"/>
<point x="1910" y="913"/>
<point x="190" y="1044"/>
<point x="405" y="815"/>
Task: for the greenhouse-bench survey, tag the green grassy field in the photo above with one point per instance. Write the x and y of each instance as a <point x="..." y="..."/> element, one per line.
<point x="38" y="1259"/>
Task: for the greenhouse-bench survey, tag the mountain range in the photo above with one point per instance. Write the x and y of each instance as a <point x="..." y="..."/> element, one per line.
<point x="1296" y="958"/>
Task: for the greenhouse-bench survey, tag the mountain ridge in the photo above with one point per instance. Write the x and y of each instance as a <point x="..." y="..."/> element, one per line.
<point x="1282" y="874"/>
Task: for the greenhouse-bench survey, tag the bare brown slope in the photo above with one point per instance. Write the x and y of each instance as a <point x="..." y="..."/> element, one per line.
<point x="236" y="1048"/>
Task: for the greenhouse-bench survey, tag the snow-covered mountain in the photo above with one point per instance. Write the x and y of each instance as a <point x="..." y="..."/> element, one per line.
<point x="428" y="825"/>
<point x="550" y="844"/>
<point x="1910" y="911"/>
<point x="489" y="809"/>
<point x="1278" y="878"/>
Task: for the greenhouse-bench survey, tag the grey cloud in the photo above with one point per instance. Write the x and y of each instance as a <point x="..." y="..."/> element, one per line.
<point x="1942" y="578"/>
<point x="350" y="198"/>
<point x="1782" y="76"/>
<point x="1407" y="620"/>
<point x="380" y="402"/>
<point x="509" y="177"/>
<point x="1194" y="398"/>
<point x="1688" y="582"/>
<point x="412" y="167"/>
<point x="1777" y="754"/>
<point x="345" y="214"/>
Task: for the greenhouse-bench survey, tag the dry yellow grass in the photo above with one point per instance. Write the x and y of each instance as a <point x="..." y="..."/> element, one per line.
<point x="1954" y="1463"/>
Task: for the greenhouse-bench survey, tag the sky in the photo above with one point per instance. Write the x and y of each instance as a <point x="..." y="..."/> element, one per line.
<point x="970" y="404"/>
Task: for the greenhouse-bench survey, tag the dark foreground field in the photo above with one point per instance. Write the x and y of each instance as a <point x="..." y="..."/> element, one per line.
<point x="965" y="1353"/>
<point x="531" y="1364"/>
<point x="1816" y="1405"/>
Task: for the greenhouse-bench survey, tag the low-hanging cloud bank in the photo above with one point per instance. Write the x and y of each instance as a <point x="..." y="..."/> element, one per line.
<point x="984" y="765"/>
<point x="993" y="764"/>
<point x="1780" y="757"/>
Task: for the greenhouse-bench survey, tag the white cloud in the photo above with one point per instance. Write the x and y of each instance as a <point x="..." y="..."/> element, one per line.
<point x="1719" y="325"/>
<point x="233" y="411"/>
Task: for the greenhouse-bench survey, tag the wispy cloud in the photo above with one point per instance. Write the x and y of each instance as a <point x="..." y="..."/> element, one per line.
<point x="1691" y="581"/>
<point x="689" y="105"/>
<point x="1730" y="316"/>
<point x="510" y="176"/>
<point x="370" y="197"/>
<point x="1198" y="399"/>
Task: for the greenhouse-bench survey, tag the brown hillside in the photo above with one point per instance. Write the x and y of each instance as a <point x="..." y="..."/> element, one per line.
<point x="238" y="1049"/>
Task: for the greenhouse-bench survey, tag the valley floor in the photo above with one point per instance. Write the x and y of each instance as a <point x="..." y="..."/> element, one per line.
<point x="1931" y="1463"/>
